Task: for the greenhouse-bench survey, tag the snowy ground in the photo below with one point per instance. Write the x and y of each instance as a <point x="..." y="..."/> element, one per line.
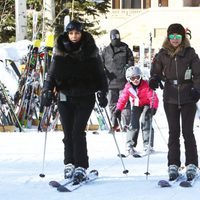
<point x="21" y="156"/>
<point x="21" y="163"/>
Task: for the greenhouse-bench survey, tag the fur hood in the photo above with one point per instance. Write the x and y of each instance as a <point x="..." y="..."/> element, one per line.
<point x="85" y="49"/>
<point x="174" y="51"/>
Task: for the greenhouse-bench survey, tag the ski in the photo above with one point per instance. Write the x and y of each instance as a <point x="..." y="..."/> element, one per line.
<point x="166" y="183"/>
<point x="56" y="184"/>
<point x="71" y="186"/>
<point x="8" y="100"/>
<point x="135" y="154"/>
<point x="145" y="153"/>
<point x="189" y="183"/>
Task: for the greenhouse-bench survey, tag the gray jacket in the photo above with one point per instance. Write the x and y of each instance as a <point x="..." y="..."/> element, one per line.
<point x="116" y="60"/>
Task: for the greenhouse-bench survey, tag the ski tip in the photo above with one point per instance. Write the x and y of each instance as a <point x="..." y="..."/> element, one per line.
<point x="54" y="184"/>
<point x="125" y="171"/>
<point x="94" y="171"/>
<point x="137" y="156"/>
<point x="164" y="183"/>
<point x="185" y="184"/>
<point x="121" y="155"/>
<point x="61" y="188"/>
<point x="42" y="175"/>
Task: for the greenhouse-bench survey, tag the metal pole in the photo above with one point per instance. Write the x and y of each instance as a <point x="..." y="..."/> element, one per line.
<point x="125" y="171"/>
<point x="42" y="175"/>
<point x="150" y="135"/>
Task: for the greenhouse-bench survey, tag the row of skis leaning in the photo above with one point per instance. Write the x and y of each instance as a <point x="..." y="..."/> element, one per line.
<point x="24" y="109"/>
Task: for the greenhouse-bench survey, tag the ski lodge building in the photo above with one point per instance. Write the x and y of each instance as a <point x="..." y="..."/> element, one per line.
<point x="139" y="21"/>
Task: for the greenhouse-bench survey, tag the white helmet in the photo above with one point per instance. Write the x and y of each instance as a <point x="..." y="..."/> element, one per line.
<point x="133" y="71"/>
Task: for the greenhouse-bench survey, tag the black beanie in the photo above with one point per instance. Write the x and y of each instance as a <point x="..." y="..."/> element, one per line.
<point x="176" y="28"/>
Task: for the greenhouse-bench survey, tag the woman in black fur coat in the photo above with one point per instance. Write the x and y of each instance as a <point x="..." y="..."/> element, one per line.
<point x="77" y="74"/>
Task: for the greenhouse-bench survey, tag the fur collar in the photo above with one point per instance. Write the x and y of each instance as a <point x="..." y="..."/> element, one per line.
<point x="174" y="51"/>
<point x="87" y="47"/>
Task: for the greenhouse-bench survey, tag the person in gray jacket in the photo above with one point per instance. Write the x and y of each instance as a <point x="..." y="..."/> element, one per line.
<point x="117" y="57"/>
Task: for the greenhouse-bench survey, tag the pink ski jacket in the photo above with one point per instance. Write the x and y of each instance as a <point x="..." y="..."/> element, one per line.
<point x="140" y="97"/>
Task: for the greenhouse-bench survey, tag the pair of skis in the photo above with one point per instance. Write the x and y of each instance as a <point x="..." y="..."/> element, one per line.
<point x="136" y="154"/>
<point x="181" y="180"/>
<point x="68" y="185"/>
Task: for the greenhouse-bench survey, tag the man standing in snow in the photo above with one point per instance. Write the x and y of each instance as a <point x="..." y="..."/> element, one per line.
<point x="178" y="66"/>
<point x="117" y="57"/>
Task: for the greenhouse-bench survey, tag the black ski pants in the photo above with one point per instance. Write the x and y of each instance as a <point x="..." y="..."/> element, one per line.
<point x="186" y="113"/>
<point x="74" y="114"/>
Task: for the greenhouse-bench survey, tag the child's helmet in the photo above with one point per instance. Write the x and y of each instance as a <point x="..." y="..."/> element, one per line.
<point x="133" y="71"/>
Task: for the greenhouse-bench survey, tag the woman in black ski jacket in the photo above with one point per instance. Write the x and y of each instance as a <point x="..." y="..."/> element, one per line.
<point x="178" y="66"/>
<point x="77" y="73"/>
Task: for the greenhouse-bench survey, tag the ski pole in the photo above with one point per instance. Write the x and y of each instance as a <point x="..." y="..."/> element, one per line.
<point x="103" y="118"/>
<point x="160" y="131"/>
<point x="48" y="110"/>
<point x="150" y="135"/>
<point x="125" y="171"/>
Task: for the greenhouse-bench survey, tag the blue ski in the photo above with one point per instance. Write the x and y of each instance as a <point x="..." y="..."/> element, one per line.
<point x="56" y="184"/>
<point x="189" y="183"/>
<point x="93" y="175"/>
<point x="167" y="183"/>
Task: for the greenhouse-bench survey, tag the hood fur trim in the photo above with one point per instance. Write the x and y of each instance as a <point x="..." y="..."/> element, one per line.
<point x="174" y="51"/>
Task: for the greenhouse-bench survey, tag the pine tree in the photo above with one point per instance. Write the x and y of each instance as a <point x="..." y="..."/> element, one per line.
<point x="7" y="20"/>
<point x="86" y="11"/>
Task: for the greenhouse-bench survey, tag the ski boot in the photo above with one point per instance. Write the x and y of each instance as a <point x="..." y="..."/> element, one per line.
<point x="148" y="148"/>
<point x="80" y="175"/>
<point x="133" y="152"/>
<point x="173" y="172"/>
<point x="69" y="171"/>
<point x="191" y="171"/>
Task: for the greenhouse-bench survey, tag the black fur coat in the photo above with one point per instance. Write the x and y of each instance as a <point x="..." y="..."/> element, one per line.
<point x="76" y="69"/>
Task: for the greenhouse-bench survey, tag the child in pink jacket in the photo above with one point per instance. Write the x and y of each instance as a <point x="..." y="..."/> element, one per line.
<point x="144" y="103"/>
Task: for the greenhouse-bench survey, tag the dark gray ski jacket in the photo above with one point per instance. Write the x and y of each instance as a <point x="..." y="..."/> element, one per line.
<point x="116" y="60"/>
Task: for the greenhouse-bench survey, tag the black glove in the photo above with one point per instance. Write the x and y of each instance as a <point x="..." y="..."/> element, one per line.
<point x="102" y="99"/>
<point x="110" y="75"/>
<point x="116" y="117"/>
<point x="47" y="97"/>
<point x="155" y="82"/>
<point x="194" y="94"/>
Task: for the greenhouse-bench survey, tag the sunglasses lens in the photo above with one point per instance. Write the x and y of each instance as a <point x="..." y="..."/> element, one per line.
<point x="178" y="37"/>
<point x="171" y="36"/>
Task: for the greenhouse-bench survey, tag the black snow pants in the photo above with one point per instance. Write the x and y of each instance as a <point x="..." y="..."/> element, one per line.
<point x="187" y="114"/>
<point x="74" y="114"/>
